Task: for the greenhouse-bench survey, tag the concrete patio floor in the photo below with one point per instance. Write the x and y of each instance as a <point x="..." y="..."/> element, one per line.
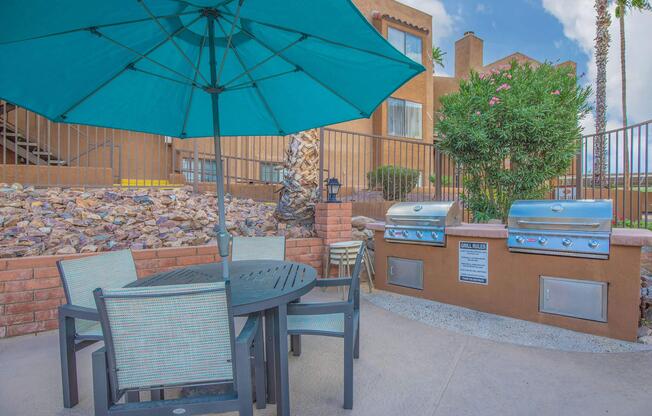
<point x="405" y="368"/>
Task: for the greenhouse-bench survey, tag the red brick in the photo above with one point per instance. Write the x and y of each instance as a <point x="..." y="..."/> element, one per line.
<point x="303" y="242"/>
<point x="145" y="272"/>
<point x="188" y="260"/>
<point x="296" y="251"/>
<point x="55" y="293"/>
<point x="32" y="284"/>
<point x="329" y="220"/>
<point x="3" y="264"/>
<point x="49" y="325"/>
<point x="155" y="263"/>
<point x="35" y="262"/>
<point x="23" y="329"/>
<point x="46" y="272"/>
<point x="177" y="252"/>
<point x="317" y="249"/>
<point x="291" y="243"/>
<point x="304" y="258"/>
<point x="15" y="297"/>
<point x="39" y="305"/>
<point x="20" y="318"/>
<point x="45" y="315"/>
<point x="340" y="227"/>
<point x="144" y="254"/>
<point x="16" y="274"/>
<point x="211" y="249"/>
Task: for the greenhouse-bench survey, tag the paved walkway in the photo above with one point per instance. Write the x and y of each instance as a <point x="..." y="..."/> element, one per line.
<point x="406" y="368"/>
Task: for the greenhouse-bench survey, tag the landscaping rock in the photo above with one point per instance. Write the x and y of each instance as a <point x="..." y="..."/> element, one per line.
<point x="74" y="220"/>
<point x="360" y="222"/>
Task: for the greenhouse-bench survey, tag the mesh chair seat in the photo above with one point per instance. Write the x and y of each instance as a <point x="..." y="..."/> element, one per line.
<point x="333" y="322"/>
<point x="88" y="329"/>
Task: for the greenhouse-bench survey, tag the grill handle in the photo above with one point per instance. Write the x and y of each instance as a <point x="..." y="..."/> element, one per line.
<point x="411" y="219"/>
<point x="574" y="224"/>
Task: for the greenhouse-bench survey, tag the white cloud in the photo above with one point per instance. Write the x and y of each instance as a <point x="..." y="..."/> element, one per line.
<point x="481" y="8"/>
<point x="578" y="20"/>
<point x="442" y="21"/>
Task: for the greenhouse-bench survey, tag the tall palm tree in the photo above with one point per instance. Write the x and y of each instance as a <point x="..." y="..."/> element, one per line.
<point x="622" y="6"/>
<point x="299" y="194"/>
<point x="437" y="57"/>
<point x="602" y="39"/>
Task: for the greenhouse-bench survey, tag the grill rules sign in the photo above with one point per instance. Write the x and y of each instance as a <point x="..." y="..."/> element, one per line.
<point x="474" y="262"/>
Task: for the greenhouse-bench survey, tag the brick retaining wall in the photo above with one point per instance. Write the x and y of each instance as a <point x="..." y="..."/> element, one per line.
<point x="30" y="287"/>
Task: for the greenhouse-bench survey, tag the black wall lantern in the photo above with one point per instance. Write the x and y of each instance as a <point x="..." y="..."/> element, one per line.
<point x="333" y="188"/>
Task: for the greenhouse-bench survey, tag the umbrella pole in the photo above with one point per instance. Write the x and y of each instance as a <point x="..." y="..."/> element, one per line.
<point x="223" y="237"/>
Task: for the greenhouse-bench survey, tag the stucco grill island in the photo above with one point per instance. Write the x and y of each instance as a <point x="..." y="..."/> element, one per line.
<point x="583" y="286"/>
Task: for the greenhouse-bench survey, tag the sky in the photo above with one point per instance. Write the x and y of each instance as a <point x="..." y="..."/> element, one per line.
<point x="551" y="30"/>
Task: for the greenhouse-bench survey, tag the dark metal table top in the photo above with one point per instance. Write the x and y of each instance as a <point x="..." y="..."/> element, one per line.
<point x="256" y="285"/>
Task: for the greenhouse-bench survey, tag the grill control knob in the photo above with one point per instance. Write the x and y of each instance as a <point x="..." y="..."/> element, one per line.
<point x="405" y="233"/>
<point x="434" y="235"/>
<point x="419" y="234"/>
<point x="594" y="243"/>
<point x="520" y="240"/>
<point x="391" y="233"/>
<point x="566" y="242"/>
<point x="543" y="241"/>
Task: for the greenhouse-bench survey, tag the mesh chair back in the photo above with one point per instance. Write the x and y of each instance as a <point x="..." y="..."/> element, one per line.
<point x="81" y="276"/>
<point x="258" y="248"/>
<point x="344" y="253"/>
<point x="174" y="335"/>
<point x="355" y="276"/>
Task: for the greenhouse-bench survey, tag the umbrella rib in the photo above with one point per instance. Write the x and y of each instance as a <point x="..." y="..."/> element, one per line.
<point x="127" y="22"/>
<point x="259" y="64"/>
<point x="253" y="83"/>
<point x="286" y="29"/>
<point x="145" y="57"/>
<point x="178" y="81"/>
<point x="228" y="41"/>
<point x="192" y="91"/>
<point x="127" y="67"/>
<point x="176" y="45"/>
<point x="343" y="98"/>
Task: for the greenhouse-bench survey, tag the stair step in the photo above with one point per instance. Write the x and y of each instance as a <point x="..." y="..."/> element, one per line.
<point x="57" y="162"/>
<point x="41" y="153"/>
<point x="25" y="144"/>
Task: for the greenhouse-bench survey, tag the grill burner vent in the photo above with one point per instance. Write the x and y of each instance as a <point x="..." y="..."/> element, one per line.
<point x="579" y="228"/>
<point x="421" y="222"/>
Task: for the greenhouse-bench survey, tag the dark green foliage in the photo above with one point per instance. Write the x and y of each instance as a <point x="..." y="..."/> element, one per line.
<point x="445" y="180"/>
<point x="396" y="182"/>
<point x="512" y="131"/>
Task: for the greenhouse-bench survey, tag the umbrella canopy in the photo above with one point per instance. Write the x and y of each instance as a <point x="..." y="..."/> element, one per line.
<point x="197" y="68"/>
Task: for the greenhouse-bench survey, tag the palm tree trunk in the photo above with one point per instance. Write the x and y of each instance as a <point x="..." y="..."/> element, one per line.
<point x="623" y="76"/>
<point x="602" y="22"/>
<point x="299" y="194"/>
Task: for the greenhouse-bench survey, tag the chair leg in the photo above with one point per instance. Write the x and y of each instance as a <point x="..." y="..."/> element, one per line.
<point x="269" y="357"/>
<point x="370" y="272"/>
<point x="243" y="380"/>
<point x="101" y="392"/>
<point x="259" y="368"/>
<point x="68" y="361"/>
<point x="356" y="346"/>
<point x="295" y="345"/>
<point x="348" y="361"/>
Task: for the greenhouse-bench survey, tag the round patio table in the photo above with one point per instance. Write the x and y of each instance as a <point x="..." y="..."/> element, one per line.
<point x="256" y="286"/>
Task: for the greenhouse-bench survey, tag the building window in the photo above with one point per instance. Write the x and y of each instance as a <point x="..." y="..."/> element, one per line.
<point x="206" y="169"/>
<point x="271" y="172"/>
<point x="405" y="42"/>
<point x="404" y="118"/>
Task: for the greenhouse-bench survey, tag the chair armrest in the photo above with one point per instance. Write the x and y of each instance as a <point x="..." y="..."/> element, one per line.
<point x="79" y="312"/>
<point x="333" y="281"/>
<point x="319" y="308"/>
<point x="248" y="333"/>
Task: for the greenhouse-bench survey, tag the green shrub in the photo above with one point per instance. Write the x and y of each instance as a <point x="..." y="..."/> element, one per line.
<point x="396" y="182"/>
<point x="445" y="180"/>
<point x="512" y="130"/>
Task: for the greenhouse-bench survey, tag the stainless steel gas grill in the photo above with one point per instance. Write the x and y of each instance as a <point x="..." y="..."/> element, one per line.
<point x="421" y="222"/>
<point x="579" y="228"/>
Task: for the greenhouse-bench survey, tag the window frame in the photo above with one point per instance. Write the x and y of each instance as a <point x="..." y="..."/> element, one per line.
<point x="405" y="118"/>
<point x="403" y="49"/>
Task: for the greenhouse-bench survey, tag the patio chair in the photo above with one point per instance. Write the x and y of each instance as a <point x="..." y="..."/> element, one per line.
<point x="79" y="324"/>
<point x="258" y="248"/>
<point x="177" y="336"/>
<point x="333" y="319"/>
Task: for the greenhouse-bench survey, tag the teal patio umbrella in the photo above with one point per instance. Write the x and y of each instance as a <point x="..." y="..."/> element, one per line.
<point x="197" y="68"/>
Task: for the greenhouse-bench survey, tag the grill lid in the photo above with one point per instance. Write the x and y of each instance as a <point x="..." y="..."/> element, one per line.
<point x="577" y="215"/>
<point x="425" y="214"/>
